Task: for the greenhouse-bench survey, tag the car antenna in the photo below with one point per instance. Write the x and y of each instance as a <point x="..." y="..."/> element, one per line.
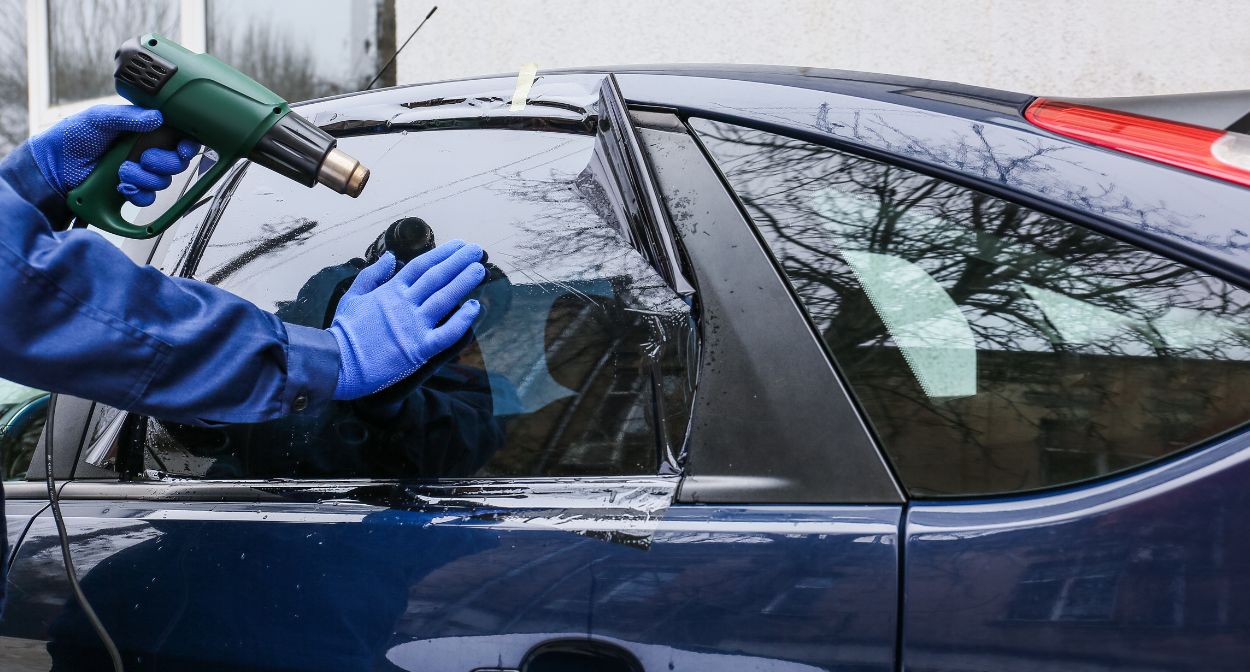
<point x="401" y="48"/>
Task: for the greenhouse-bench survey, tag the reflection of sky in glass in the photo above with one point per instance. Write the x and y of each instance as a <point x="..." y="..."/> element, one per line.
<point x="1119" y="314"/>
<point x="515" y="194"/>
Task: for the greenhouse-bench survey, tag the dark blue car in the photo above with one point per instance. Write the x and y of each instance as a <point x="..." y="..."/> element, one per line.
<point x="780" y="370"/>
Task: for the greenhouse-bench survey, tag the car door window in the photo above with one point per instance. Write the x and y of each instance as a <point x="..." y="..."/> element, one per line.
<point x="579" y="358"/>
<point x="993" y="348"/>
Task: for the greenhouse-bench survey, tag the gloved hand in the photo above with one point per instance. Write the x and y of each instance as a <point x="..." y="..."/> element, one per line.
<point x="67" y="153"/>
<point x="387" y="324"/>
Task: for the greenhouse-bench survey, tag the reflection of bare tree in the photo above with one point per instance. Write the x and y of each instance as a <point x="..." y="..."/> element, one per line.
<point x="275" y="59"/>
<point x="574" y="245"/>
<point x="13" y="76"/>
<point x="1050" y="381"/>
<point x="253" y="38"/>
<point x="1017" y="166"/>
<point x="85" y="34"/>
<point x="576" y="241"/>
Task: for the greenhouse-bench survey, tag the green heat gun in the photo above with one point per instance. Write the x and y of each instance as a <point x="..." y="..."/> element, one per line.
<point x="219" y="107"/>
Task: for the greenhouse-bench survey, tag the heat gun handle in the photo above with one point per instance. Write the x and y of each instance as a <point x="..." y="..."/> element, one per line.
<point x="97" y="202"/>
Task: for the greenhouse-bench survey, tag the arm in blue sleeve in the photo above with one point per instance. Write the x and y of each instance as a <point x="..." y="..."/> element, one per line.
<point x="78" y="317"/>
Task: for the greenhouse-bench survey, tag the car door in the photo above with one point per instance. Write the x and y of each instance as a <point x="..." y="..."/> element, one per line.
<point x="1019" y="370"/>
<point x="561" y="493"/>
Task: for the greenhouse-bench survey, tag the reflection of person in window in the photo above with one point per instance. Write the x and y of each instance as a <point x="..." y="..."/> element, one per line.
<point x="447" y="426"/>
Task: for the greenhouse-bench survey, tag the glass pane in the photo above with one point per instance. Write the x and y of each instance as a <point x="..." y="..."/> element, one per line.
<point x="300" y="49"/>
<point x="84" y="34"/>
<point x="22" y="412"/>
<point x="13" y="114"/>
<point x="994" y="348"/>
<point x="581" y="343"/>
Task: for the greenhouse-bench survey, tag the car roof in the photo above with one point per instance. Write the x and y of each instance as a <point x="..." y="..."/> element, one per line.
<point x="864" y="84"/>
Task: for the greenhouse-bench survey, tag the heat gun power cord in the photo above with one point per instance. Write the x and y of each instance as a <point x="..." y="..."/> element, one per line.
<point x="54" y="501"/>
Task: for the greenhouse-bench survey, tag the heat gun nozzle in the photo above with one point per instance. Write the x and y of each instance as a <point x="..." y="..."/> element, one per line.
<point x="342" y="173"/>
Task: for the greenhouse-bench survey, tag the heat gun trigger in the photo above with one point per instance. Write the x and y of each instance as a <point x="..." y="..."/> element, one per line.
<point x="165" y="137"/>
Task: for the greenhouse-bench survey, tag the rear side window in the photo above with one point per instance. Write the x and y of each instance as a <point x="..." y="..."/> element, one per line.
<point x="993" y="348"/>
<point x="576" y="367"/>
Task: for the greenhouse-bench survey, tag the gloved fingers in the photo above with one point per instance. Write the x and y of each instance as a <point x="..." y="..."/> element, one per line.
<point x="140" y="197"/>
<point x="144" y="179"/>
<point x="187" y="149"/>
<point x="419" y="266"/>
<point x="456" y="326"/>
<point x="122" y="118"/>
<point x="372" y="276"/>
<point x="444" y="300"/>
<point x="166" y="161"/>
<point x="443" y="273"/>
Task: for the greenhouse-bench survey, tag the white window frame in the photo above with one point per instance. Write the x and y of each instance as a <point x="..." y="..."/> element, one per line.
<point x="41" y="113"/>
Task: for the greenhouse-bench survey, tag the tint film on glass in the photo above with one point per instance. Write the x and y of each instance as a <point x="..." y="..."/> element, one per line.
<point x="993" y="348"/>
<point x="581" y="346"/>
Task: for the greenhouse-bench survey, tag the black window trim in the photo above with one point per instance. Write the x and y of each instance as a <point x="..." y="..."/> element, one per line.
<point x="792" y="463"/>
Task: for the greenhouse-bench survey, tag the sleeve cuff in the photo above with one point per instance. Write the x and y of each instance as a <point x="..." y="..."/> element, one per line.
<point x="312" y="369"/>
<point x="22" y="173"/>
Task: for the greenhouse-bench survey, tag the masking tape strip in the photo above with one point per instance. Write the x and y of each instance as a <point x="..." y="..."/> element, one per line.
<point x="524" y="80"/>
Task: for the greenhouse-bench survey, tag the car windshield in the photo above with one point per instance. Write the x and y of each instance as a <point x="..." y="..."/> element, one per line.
<point x="578" y="365"/>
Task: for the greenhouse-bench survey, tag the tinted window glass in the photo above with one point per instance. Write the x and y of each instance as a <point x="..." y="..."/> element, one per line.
<point x="993" y="348"/>
<point x="577" y="358"/>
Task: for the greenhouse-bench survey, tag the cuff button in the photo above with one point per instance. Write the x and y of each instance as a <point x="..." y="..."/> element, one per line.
<point x="300" y="402"/>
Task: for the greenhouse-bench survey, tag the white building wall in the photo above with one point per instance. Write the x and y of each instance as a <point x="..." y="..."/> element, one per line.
<point x="1058" y="47"/>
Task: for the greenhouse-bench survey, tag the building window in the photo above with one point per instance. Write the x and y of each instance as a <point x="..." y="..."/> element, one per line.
<point x="300" y="49"/>
<point x="83" y="35"/>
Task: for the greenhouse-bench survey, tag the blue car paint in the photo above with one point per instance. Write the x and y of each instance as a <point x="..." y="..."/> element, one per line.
<point x="1147" y="571"/>
<point x="977" y="573"/>
<point x="18" y="515"/>
<point x="349" y="584"/>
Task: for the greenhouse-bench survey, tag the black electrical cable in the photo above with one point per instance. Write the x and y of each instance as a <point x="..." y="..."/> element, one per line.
<point x="70" y="574"/>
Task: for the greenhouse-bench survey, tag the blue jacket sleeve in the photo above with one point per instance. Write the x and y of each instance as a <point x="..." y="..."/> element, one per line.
<point x="78" y="317"/>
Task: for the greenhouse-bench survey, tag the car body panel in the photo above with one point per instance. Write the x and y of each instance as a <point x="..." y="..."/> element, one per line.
<point x="1145" y="571"/>
<point x="351" y="582"/>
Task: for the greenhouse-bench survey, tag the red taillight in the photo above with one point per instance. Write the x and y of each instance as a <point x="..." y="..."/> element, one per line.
<point x="1202" y="150"/>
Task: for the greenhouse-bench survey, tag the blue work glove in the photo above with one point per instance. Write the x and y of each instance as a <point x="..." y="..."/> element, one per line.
<point x="387" y="324"/>
<point x="67" y="153"/>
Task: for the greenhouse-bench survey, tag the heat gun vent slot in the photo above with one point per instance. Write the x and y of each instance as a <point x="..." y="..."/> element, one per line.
<point x="142" y="69"/>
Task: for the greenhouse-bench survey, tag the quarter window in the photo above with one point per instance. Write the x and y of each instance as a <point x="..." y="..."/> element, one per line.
<point x="992" y="347"/>
<point x="576" y="367"/>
